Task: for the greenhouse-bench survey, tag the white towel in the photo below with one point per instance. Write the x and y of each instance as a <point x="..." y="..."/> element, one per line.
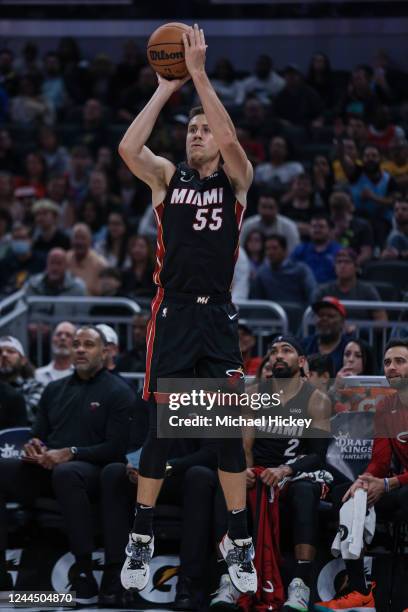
<point x="356" y="527"/>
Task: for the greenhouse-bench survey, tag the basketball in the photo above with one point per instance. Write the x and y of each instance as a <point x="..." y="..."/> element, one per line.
<point x="165" y="51"/>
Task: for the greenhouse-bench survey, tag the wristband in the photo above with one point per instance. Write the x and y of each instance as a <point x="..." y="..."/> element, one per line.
<point x="386" y="485"/>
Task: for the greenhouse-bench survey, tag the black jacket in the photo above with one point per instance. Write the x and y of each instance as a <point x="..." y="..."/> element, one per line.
<point x="93" y="415"/>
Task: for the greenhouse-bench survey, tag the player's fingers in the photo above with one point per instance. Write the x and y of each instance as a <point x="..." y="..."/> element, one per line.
<point x="186" y="40"/>
<point x="202" y="37"/>
<point x="196" y="35"/>
<point x="346" y="496"/>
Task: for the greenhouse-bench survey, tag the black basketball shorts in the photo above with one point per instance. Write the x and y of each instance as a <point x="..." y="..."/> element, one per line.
<point x="191" y="336"/>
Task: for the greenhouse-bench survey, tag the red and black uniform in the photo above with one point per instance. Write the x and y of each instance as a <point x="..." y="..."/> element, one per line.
<point x="391" y="423"/>
<point x="193" y="329"/>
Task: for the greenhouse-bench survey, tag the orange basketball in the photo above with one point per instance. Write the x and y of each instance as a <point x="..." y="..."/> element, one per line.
<point x="165" y="51"/>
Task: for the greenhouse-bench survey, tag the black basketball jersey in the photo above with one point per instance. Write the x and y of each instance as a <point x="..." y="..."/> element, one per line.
<point x="198" y="233"/>
<point x="285" y="443"/>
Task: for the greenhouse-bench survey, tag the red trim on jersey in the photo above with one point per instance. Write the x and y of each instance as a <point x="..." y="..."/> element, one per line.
<point x="239" y="215"/>
<point x="150" y="335"/>
<point x="160" y="250"/>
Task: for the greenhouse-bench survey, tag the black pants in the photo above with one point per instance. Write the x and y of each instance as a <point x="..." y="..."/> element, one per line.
<point x="300" y="503"/>
<point x="194" y="491"/>
<point x="74" y="485"/>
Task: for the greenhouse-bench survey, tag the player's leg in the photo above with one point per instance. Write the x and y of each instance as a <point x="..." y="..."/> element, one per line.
<point x="303" y="501"/>
<point x="222" y="359"/>
<point x="171" y="342"/>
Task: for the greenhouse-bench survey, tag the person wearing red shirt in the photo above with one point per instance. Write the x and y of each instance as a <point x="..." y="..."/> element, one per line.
<point x="388" y="494"/>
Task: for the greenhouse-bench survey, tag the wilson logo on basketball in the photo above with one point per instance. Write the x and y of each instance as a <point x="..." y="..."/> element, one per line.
<point x="163" y="55"/>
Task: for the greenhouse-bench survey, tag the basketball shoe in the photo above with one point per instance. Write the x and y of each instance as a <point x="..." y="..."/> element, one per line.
<point x="135" y="571"/>
<point x="348" y="600"/>
<point x="238" y="555"/>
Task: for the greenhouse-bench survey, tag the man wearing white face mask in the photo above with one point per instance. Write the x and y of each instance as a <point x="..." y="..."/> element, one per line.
<point x="20" y="262"/>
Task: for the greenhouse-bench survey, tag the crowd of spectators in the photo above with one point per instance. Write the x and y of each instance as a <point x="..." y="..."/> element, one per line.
<point x="328" y="147"/>
<point x="329" y="196"/>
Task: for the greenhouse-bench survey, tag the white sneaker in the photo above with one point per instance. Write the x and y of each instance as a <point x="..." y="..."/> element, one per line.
<point x="298" y="596"/>
<point x="238" y="555"/>
<point x="226" y="595"/>
<point x="135" y="571"/>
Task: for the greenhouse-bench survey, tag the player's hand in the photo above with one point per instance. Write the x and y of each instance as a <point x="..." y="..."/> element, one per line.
<point x="358" y="484"/>
<point x="33" y="450"/>
<point x="250" y="478"/>
<point x="195" y="48"/>
<point x="52" y="458"/>
<point x="375" y="488"/>
<point x="132" y="473"/>
<point x="173" y="85"/>
<point x="273" y="476"/>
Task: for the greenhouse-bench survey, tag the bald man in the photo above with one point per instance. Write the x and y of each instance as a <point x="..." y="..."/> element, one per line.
<point x="56" y="280"/>
<point x="83" y="261"/>
<point x="61" y="347"/>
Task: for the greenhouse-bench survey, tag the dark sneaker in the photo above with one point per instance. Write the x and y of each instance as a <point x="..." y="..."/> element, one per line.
<point x="186" y="595"/>
<point x="85" y="588"/>
<point x="111" y="592"/>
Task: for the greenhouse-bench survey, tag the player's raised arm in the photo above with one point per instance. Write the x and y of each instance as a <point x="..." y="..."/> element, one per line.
<point x="154" y="170"/>
<point x="237" y="165"/>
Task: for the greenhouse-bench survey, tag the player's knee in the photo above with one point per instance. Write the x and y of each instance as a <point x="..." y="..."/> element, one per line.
<point x="231" y="456"/>
<point x="112" y="473"/>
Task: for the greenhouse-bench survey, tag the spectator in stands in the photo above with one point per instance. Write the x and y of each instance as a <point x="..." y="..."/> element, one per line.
<point x="29" y="108"/>
<point x="280" y="278"/>
<point x="397" y="240"/>
<point x="7" y="201"/>
<point x="299" y="204"/>
<point x="297" y="103"/>
<point x="358" y="360"/>
<point x="320" y="252"/>
<point x="357" y="130"/>
<point x="21" y="262"/>
<point x="78" y="173"/>
<point x="134" y="360"/>
<point x="129" y="66"/>
<point x="397" y="165"/>
<point x="94" y="217"/>
<point x="56" y="156"/>
<point x="320" y="78"/>
<point x="100" y="75"/>
<point x="137" y="95"/>
<point x="348" y="287"/>
<point x="35" y="174"/>
<point x="47" y="235"/>
<point x="387" y="494"/>
<point x="269" y="221"/>
<point x="57" y="280"/>
<point x="371" y="189"/>
<point x="242" y="277"/>
<point x="17" y="371"/>
<point x="65" y="458"/>
<point x="114" y="248"/>
<point x="279" y="172"/>
<point x="253" y="148"/>
<point x="346" y="156"/>
<point x="93" y="125"/>
<point x="29" y="61"/>
<point x="12" y="407"/>
<point x="126" y="187"/>
<point x="254" y="118"/>
<point x="320" y="371"/>
<point x="61" y="347"/>
<point x="265" y="84"/>
<point x="329" y="338"/>
<point x="322" y="177"/>
<point x="382" y="131"/>
<point x="271" y="460"/>
<point x="5" y="236"/>
<point x="349" y="231"/>
<point x="98" y="192"/>
<point x="57" y="191"/>
<point x="9" y="159"/>
<point x="112" y="347"/>
<point x="8" y="75"/>
<point x="254" y="246"/>
<point x="53" y="86"/>
<point x="247" y="345"/>
<point x="361" y="98"/>
<point x="110" y="282"/>
<point x="83" y="261"/>
<point x="229" y="89"/>
<point x="137" y="280"/>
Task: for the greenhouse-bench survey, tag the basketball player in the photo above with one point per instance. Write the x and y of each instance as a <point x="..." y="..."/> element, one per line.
<point x="287" y="454"/>
<point x="193" y="329"/>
